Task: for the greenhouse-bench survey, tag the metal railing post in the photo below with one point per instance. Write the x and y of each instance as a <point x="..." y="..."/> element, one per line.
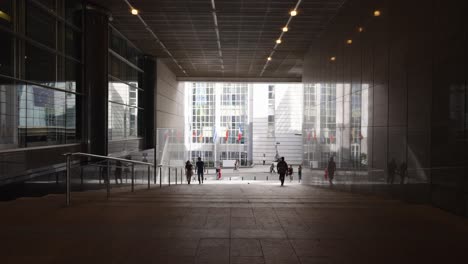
<point x="133" y="177"/>
<point x="155" y="173"/>
<point x="160" y="176"/>
<point x="67" y="179"/>
<point x="149" y="177"/>
<point x="108" y="179"/>
<point x="169" y="176"/>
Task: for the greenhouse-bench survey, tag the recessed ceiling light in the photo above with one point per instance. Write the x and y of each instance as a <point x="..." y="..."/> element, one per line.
<point x="333" y="58"/>
<point x="278" y="41"/>
<point x="285" y="29"/>
<point x="293" y="13"/>
<point x="377" y="13"/>
<point x="269" y="58"/>
<point x="349" y="41"/>
<point x="134" y="11"/>
<point x="360" y="29"/>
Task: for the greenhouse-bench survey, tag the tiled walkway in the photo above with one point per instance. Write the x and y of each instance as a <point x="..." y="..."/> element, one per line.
<point x="228" y="223"/>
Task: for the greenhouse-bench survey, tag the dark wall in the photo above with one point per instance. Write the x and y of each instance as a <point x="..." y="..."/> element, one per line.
<point x="414" y="60"/>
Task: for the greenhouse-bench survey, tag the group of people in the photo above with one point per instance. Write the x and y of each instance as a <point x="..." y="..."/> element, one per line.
<point x="200" y="170"/>
<point x="283" y="169"/>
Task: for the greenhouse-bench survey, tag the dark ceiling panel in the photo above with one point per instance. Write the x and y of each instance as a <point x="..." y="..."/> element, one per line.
<point x="248" y="30"/>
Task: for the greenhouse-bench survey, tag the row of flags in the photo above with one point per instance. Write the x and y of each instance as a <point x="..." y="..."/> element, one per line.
<point x="332" y="138"/>
<point x="199" y="135"/>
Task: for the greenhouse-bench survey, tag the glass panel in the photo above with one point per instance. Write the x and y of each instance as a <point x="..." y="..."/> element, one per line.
<point x="70" y="122"/>
<point x="40" y="66"/>
<point x="8" y="115"/>
<point x="6" y="14"/>
<point x="48" y="3"/>
<point x="117" y="121"/>
<point x="73" y="11"/>
<point x="6" y="54"/>
<point x="45" y="117"/>
<point x="40" y="26"/>
<point x="72" y="43"/>
<point x="72" y="71"/>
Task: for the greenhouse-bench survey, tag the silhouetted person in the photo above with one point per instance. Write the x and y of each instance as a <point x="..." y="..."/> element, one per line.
<point x="282" y="168"/>
<point x="331" y="168"/>
<point x="272" y="168"/>
<point x="200" y="168"/>
<point x="299" y="172"/>
<point x="263" y="159"/>
<point x="188" y="171"/>
<point x="118" y="172"/>
<point x="290" y="173"/>
<point x="403" y="172"/>
<point x="391" y="170"/>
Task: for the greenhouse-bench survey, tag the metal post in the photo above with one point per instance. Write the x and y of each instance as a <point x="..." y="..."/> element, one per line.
<point x="169" y="176"/>
<point x="149" y="176"/>
<point x="133" y="177"/>
<point x="67" y="179"/>
<point x="175" y="175"/>
<point x="155" y="171"/>
<point x="160" y="177"/>
<point x="108" y="179"/>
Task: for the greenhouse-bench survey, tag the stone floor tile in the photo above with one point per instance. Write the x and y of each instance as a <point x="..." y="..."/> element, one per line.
<point x="247" y="260"/>
<point x="246" y="248"/>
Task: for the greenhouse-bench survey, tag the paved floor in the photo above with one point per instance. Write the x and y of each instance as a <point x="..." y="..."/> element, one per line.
<point x="251" y="223"/>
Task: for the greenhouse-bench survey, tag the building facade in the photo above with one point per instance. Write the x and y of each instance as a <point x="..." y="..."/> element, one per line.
<point x="249" y="122"/>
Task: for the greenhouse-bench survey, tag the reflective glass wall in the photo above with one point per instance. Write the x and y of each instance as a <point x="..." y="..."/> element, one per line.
<point x="40" y="72"/>
<point x="125" y="89"/>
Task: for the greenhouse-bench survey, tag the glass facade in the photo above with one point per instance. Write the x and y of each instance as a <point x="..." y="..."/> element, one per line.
<point x="40" y="72"/>
<point x="335" y="125"/>
<point x="218" y="121"/>
<point x="125" y="88"/>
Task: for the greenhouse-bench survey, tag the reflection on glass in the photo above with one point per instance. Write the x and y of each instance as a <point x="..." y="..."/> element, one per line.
<point x="6" y="54"/>
<point x="40" y="25"/>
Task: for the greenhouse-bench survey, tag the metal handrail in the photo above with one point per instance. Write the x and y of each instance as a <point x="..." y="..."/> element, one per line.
<point x="133" y="162"/>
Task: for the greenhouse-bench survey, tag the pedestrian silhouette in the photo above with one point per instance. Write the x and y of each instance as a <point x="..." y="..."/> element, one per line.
<point x="391" y="170"/>
<point x="282" y="168"/>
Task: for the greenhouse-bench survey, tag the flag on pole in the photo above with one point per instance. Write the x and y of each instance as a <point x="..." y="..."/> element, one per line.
<point x="239" y="134"/>
<point x="227" y="134"/>
<point x="308" y="136"/>
<point x="332" y="138"/>
<point x="200" y="137"/>
<point x="315" y="136"/>
<point x="215" y="134"/>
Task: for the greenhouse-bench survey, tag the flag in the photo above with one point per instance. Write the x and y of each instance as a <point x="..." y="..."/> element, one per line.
<point x="200" y="137"/>
<point x="332" y="138"/>
<point x="308" y="136"/>
<point x="227" y="134"/>
<point x="239" y="134"/>
<point x="360" y="136"/>
<point x="215" y="134"/>
<point x="166" y="134"/>
<point x="315" y="137"/>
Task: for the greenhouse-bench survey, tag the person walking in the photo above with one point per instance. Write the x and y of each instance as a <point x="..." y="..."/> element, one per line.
<point x="391" y="170"/>
<point x="200" y="169"/>
<point x="218" y="172"/>
<point x="263" y="159"/>
<point x="282" y="168"/>
<point x="299" y="172"/>
<point x="331" y="168"/>
<point x="403" y="172"/>
<point x="272" y="168"/>
<point x="118" y="172"/>
<point x="290" y="173"/>
<point x="188" y="171"/>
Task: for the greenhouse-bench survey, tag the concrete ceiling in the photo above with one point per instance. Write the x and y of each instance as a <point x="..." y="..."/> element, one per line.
<point x="247" y="33"/>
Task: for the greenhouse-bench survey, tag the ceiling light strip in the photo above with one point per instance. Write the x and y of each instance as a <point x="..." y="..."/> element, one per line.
<point x="218" y="37"/>
<point x="156" y="38"/>
<point x="280" y="38"/>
